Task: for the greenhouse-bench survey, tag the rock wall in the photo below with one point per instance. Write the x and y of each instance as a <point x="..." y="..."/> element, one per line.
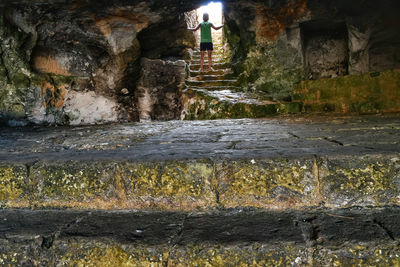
<point x="276" y="44"/>
<point x="78" y="62"/>
<point x="159" y="89"/>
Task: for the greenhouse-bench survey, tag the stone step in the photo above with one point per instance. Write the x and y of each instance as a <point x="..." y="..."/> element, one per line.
<point x="226" y="237"/>
<point x="211" y="77"/>
<point x="216" y="66"/>
<point x="210" y="83"/>
<point x="206" y="103"/>
<point x="185" y="165"/>
<point x="197" y="55"/>
<point x="268" y="192"/>
<point x="216" y="88"/>
<point x="214" y="60"/>
<point x="196" y="72"/>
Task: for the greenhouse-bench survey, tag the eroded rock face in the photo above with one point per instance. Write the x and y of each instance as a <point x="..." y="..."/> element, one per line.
<point x="159" y="89"/>
<point x="94" y="48"/>
<point x="279" y="43"/>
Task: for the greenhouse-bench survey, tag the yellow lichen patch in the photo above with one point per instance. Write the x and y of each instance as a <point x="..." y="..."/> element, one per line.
<point x="71" y="181"/>
<point x="225" y="255"/>
<point x="360" y="255"/>
<point x="101" y="254"/>
<point x="110" y="256"/>
<point x="368" y="181"/>
<point x="12" y="184"/>
<point x="9" y="259"/>
<point x="268" y="184"/>
<point x="167" y="186"/>
<point x="173" y="185"/>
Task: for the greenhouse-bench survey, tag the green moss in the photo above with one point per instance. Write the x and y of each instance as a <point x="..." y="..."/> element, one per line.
<point x="274" y="68"/>
<point x="14" y="70"/>
<point x="354" y="93"/>
<point x="204" y="107"/>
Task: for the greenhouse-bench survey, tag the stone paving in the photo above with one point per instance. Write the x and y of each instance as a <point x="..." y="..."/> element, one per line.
<point x="220" y="139"/>
<point x="287" y="191"/>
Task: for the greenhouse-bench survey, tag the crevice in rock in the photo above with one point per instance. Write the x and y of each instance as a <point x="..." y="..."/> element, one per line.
<point x="333" y="141"/>
<point x="174" y="240"/>
<point x="294" y="135"/>
<point x="310" y="229"/>
<point x="387" y="231"/>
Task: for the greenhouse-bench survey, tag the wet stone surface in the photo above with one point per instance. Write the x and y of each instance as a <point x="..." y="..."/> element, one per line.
<point x="278" y="164"/>
<point x="220" y="139"/>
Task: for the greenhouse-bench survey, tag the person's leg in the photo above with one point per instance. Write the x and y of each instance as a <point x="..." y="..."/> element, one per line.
<point x="201" y="60"/>
<point x="209" y="59"/>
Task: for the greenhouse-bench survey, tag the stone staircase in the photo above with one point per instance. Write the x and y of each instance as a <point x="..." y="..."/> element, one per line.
<point x="276" y="192"/>
<point x="218" y="95"/>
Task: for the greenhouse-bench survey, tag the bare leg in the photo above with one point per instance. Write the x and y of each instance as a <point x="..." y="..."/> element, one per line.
<point x="209" y="60"/>
<point x="201" y="60"/>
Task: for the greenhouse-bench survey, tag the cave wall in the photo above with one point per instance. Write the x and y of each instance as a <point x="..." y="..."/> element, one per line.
<point x="79" y="62"/>
<point x="278" y="43"/>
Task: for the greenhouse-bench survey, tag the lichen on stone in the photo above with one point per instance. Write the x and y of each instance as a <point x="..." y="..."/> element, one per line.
<point x="272" y="184"/>
<point x="13" y="184"/>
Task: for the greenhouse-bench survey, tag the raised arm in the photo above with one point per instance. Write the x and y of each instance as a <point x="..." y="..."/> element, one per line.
<point x="194" y="29"/>
<point x="216" y="28"/>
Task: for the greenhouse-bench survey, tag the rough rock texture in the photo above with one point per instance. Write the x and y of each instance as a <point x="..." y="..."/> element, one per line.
<point x="277" y="44"/>
<point x="55" y="54"/>
<point x="159" y="89"/>
<point x="241" y="237"/>
<point x="367" y="93"/>
<point x="198" y="165"/>
<point x="287" y="192"/>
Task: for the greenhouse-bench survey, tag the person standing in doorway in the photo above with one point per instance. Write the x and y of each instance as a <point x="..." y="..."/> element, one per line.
<point x="206" y="43"/>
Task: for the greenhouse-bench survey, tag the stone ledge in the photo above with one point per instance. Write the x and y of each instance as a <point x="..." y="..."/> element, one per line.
<point x="272" y="183"/>
<point x="325" y="227"/>
<point x="233" y="237"/>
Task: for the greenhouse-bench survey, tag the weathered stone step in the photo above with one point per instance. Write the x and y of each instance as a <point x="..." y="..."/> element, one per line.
<point x="216" y="88"/>
<point x="232" y="237"/>
<point x="212" y="77"/>
<point x="197" y="73"/>
<point x="211" y="83"/>
<point x="206" y="103"/>
<point x="216" y="52"/>
<point x="214" y="60"/>
<point x="216" y="66"/>
<point x="181" y="165"/>
<point x="224" y="226"/>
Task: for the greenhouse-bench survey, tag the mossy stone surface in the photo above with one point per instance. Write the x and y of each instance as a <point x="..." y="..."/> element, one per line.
<point x="80" y="252"/>
<point x="278" y="183"/>
<point x="366" y="93"/>
<point x="365" y="181"/>
<point x="13" y="187"/>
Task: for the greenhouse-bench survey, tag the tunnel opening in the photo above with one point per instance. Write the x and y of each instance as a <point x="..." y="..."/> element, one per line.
<point x="215" y="12"/>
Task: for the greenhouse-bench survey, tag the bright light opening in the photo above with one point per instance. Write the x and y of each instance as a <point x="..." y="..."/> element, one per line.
<point x="214" y="10"/>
